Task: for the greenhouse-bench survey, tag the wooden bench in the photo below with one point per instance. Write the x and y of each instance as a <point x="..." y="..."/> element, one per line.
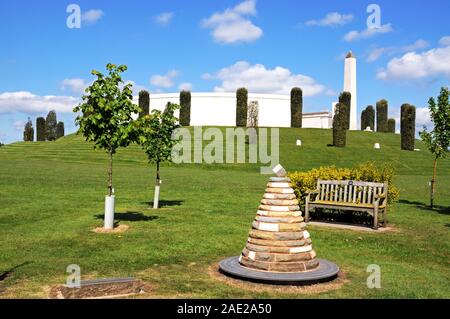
<point x="349" y="195"/>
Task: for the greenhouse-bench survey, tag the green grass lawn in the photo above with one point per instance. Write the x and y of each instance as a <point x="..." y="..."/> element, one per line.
<point x="51" y="197"/>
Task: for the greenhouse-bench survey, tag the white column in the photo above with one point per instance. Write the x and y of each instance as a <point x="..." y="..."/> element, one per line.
<point x="350" y="86"/>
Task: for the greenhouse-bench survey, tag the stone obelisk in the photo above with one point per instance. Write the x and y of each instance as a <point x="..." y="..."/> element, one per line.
<point x="350" y="86"/>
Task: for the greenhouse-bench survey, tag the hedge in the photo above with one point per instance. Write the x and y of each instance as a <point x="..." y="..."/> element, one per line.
<point x="60" y="130"/>
<point x="40" y="129"/>
<point x="407" y="126"/>
<point x="296" y="107"/>
<point x="339" y="122"/>
<point x="345" y="98"/>
<point x="241" y="107"/>
<point x="144" y="103"/>
<point x="185" y="108"/>
<point x="382" y="116"/>
<point x="391" y="125"/>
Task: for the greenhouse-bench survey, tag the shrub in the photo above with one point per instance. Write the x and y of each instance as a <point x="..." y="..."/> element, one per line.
<point x="28" y="132"/>
<point x="407" y="126"/>
<point x="339" y="130"/>
<point x="382" y="116"/>
<point x="144" y="103"/>
<point x="50" y="126"/>
<point x="241" y="107"/>
<point x="60" y="130"/>
<point x="368" y="172"/>
<point x="296" y="107"/>
<point x="40" y="129"/>
<point x="363" y="120"/>
<point x="185" y="108"/>
<point x="252" y="114"/>
<point x="370" y="113"/>
<point x="391" y="125"/>
<point x="345" y="98"/>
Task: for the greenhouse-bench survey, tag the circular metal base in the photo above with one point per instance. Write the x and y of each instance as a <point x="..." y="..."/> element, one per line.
<point x="325" y="272"/>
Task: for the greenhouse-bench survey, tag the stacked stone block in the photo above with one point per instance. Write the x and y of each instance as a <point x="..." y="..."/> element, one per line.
<point x="278" y="240"/>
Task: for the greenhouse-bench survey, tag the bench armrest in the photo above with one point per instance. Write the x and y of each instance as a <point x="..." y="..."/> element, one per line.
<point x="312" y="191"/>
<point x="379" y="196"/>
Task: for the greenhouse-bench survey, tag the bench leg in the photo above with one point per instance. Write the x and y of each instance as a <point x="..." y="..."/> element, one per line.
<point x="375" y="218"/>
<point x="307" y="211"/>
<point x="385" y="216"/>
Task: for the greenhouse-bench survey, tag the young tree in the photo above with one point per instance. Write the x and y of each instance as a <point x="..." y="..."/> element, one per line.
<point x="185" y="108"/>
<point x="106" y="120"/>
<point x="370" y="114"/>
<point x="28" y="132"/>
<point x="296" y="107"/>
<point x="155" y="137"/>
<point x="144" y="103"/>
<point x="241" y="107"/>
<point x="50" y="126"/>
<point x="438" y="140"/>
<point x="40" y="129"/>
<point x="60" y="130"/>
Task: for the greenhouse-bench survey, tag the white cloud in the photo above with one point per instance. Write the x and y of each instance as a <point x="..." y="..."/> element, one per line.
<point x="233" y="26"/>
<point x="92" y="16"/>
<point x="75" y="85"/>
<point x="257" y="78"/>
<point x="375" y="53"/>
<point x="445" y="41"/>
<point x="164" y="18"/>
<point x="367" y="33"/>
<point x="413" y="66"/>
<point x="27" y="102"/>
<point x="164" y="81"/>
<point x="186" y="86"/>
<point x="331" y="19"/>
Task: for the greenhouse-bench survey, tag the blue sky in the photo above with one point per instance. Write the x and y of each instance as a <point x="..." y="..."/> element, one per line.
<point x="267" y="45"/>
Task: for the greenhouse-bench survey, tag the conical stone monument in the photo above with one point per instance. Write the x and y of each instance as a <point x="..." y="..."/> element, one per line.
<point x="279" y="248"/>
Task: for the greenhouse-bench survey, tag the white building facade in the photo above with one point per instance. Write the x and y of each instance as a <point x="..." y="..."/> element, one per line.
<point x="219" y="109"/>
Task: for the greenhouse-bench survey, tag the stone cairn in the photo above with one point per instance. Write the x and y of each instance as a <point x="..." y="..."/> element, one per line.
<point x="278" y="240"/>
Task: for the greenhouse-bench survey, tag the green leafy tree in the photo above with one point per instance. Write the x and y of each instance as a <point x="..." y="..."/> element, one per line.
<point x="50" y="126"/>
<point x="438" y="140"/>
<point x="28" y="132"/>
<point x="185" y="108"/>
<point x="106" y="114"/>
<point x="241" y="107"/>
<point x="155" y="138"/>
<point x="296" y="107"/>
<point x="40" y="129"/>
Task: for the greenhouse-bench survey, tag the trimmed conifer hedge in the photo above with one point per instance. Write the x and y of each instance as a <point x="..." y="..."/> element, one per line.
<point x="50" y="126"/>
<point x="407" y="126"/>
<point x="241" y="107"/>
<point x="345" y="98"/>
<point x="382" y="116"/>
<point x="368" y="118"/>
<point x="185" y="108"/>
<point x="296" y="107"/>
<point x="339" y="128"/>
<point x="28" y="132"/>
<point x="40" y="129"/>
<point x="391" y="125"/>
<point x="144" y="103"/>
<point x="60" y="130"/>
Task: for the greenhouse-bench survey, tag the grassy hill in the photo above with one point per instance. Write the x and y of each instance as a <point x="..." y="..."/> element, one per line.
<point x="51" y="197"/>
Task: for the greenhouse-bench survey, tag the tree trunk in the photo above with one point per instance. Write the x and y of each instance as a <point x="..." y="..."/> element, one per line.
<point x="157" y="186"/>
<point x="110" y="174"/>
<point x="433" y="180"/>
